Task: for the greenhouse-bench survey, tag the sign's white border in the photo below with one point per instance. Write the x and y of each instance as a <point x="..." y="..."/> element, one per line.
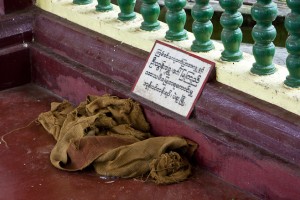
<point x="173" y="78"/>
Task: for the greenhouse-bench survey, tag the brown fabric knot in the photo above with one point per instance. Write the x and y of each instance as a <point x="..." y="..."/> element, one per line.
<point x="169" y="168"/>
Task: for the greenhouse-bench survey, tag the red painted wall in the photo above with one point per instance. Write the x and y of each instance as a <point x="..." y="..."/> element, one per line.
<point x="14" y="72"/>
<point x="1" y="7"/>
<point x="8" y="6"/>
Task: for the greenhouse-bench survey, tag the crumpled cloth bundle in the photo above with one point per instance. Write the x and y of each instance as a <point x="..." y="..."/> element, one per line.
<point x="112" y="134"/>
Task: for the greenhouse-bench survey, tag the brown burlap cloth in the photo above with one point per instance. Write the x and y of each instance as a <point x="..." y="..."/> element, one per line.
<point x="112" y="134"/>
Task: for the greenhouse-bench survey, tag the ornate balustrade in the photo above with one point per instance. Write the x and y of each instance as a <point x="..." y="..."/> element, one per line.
<point x="253" y="74"/>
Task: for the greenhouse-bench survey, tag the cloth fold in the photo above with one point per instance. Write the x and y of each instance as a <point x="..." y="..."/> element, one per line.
<point x="112" y="134"/>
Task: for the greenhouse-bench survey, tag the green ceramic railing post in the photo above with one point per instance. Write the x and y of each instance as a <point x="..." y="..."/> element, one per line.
<point x="104" y="5"/>
<point x="82" y="2"/>
<point x="292" y="24"/>
<point x="176" y="18"/>
<point x="127" y="10"/>
<point x="150" y="11"/>
<point x="202" y="27"/>
<point x="231" y="35"/>
<point x="264" y="13"/>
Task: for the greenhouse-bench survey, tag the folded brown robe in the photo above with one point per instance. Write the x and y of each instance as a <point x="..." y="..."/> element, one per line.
<point x="113" y="135"/>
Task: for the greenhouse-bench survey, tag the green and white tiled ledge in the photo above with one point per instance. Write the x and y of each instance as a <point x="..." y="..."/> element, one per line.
<point x="235" y="74"/>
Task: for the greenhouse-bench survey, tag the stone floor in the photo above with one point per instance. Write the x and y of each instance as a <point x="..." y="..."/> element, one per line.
<point x="26" y="171"/>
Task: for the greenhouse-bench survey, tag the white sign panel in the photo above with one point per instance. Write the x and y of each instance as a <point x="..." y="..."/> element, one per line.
<point x="173" y="78"/>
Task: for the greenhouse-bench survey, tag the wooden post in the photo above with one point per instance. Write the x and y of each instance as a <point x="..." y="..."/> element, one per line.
<point x="292" y="24"/>
<point x="82" y="2"/>
<point x="176" y="18"/>
<point x="104" y="5"/>
<point x="231" y="35"/>
<point x="150" y="11"/>
<point x="202" y="28"/>
<point x="264" y="12"/>
<point x="127" y="10"/>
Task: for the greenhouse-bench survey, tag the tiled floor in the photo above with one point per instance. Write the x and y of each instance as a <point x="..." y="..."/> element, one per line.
<point x="26" y="172"/>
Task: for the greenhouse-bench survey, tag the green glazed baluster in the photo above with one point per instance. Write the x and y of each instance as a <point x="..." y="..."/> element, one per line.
<point x="127" y="10"/>
<point x="292" y="24"/>
<point x="176" y="18"/>
<point x="264" y="13"/>
<point x="104" y="5"/>
<point x="82" y="2"/>
<point x="202" y="27"/>
<point x="231" y="35"/>
<point x="150" y="11"/>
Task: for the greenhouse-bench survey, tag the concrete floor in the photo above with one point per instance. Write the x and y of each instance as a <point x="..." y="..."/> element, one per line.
<point x="26" y="171"/>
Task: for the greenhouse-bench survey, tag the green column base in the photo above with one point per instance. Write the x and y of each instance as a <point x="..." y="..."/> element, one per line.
<point x="102" y="8"/>
<point x="176" y="36"/>
<point x="263" y="70"/>
<point x="292" y="25"/>
<point x="292" y="82"/>
<point x="293" y="65"/>
<point x="82" y="2"/>
<point x="232" y="56"/>
<point x="126" y="17"/>
<point x="150" y="26"/>
<point x="202" y="47"/>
